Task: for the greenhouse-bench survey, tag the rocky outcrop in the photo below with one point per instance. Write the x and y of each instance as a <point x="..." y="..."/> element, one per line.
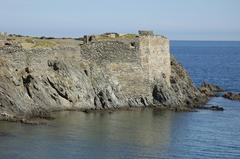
<point x="210" y="89"/>
<point x="182" y="93"/>
<point x="110" y="74"/>
<point x="232" y="96"/>
<point x="61" y="86"/>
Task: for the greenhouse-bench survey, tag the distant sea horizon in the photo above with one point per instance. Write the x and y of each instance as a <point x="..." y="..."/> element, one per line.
<point x="216" y="62"/>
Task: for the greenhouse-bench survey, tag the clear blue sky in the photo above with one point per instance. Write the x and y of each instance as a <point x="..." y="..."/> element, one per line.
<point x="176" y="19"/>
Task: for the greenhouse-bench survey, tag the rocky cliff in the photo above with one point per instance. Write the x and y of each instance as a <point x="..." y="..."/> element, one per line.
<point x="96" y="73"/>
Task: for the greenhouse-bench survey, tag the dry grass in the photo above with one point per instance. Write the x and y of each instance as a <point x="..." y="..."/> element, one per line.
<point x="124" y="36"/>
<point x="128" y="36"/>
<point x="44" y="44"/>
<point x="31" y="42"/>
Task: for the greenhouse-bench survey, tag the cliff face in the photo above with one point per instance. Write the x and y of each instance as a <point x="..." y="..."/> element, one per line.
<point x="182" y="93"/>
<point x="101" y="74"/>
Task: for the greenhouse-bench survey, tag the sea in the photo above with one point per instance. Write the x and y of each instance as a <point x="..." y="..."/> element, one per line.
<point x="144" y="134"/>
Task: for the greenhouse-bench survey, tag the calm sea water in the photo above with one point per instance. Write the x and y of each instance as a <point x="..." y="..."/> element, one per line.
<point x="213" y="61"/>
<point x="144" y="134"/>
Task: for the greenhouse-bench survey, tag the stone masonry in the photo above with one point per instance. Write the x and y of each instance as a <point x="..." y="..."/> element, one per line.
<point x="136" y="64"/>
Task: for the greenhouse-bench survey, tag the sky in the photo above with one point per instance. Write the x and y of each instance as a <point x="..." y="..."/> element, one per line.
<point x="176" y="19"/>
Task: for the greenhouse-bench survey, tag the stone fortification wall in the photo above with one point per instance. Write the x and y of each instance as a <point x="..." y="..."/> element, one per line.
<point x="120" y="60"/>
<point x="155" y="58"/>
<point x="136" y="64"/>
<point x="110" y="51"/>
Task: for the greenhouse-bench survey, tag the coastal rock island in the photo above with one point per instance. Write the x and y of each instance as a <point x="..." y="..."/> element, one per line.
<point x="108" y="71"/>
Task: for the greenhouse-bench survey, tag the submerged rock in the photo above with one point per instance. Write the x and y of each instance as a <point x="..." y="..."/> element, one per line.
<point x="213" y="108"/>
<point x="217" y="108"/>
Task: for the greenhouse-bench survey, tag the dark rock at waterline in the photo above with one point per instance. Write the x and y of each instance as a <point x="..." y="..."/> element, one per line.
<point x="216" y="108"/>
<point x="34" y="121"/>
<point x="87" y="111"/>
<point x="232" y="96"/>
<point x="213" y="108"/>
<point x="210" y="90"/>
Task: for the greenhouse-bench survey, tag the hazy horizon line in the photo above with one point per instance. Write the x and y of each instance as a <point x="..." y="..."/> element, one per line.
<point x="81" y="35"/>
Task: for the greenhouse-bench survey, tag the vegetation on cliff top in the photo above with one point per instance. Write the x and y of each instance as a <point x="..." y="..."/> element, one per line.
<point x="33" y="42"/>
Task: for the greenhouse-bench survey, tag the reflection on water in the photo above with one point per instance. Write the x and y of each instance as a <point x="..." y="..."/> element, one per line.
<point x="127" y="134"/>
<point x="75" y="134"/>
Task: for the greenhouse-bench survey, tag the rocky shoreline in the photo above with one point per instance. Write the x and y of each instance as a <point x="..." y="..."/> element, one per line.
<point x="232" y="96"/>
<point x="45" y="116"/>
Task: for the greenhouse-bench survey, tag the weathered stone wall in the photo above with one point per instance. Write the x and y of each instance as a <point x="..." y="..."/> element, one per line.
<point x="155" y="58"/>
<point x="136" y="64"/>
<point x="109" y="52"/>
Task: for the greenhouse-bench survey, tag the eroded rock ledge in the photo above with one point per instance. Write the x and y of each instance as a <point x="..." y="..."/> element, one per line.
<point x="232" y="96"/>
<point x="97" y="73"/>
